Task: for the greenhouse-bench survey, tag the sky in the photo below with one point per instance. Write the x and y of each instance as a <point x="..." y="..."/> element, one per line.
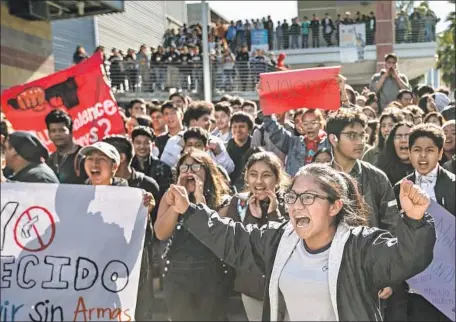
<point x="279" y="10"/>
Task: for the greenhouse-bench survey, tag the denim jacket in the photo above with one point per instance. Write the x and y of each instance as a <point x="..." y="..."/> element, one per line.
<point x="294" y="147"/>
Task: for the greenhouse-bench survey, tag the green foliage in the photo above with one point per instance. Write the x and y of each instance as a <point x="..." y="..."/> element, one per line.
<point x="446" y="51"/>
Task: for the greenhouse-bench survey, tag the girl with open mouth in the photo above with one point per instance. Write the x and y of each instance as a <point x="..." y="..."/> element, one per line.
<point x="263" y="202"/>
<point x="395" y="157"/>
<point x="195" y="280"/>
<point x="324" y="264"/>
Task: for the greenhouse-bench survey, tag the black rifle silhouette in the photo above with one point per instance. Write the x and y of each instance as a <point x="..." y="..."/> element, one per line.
<point x="67" y="91"/>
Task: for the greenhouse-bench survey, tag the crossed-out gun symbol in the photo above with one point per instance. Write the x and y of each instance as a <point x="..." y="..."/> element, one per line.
<point x="25" y="231"/>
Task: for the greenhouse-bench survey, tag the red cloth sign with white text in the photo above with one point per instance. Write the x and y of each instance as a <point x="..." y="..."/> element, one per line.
<point x="81" y="90"/>
<point x="310" y="88"/>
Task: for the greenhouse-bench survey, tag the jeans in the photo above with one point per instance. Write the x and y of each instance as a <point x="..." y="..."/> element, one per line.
<point x="197" y="79"/>
<point x="228" y="75"/>
<point x="159" y="77"/>
<point x="294" y="41"/>
<point x="196" y="290"/>
<point x="305" y="41"/>
<point x="428" y="33"/>
<point x="315" y="40"/>
<point x="279" y="42"/>
<point x="328" y="39"/>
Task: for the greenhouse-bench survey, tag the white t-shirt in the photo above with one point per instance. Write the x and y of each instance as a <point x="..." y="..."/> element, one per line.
<point x="305" y="286"/>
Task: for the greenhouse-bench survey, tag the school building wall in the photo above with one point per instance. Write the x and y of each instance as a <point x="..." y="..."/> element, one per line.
<point x="26" y="49"/>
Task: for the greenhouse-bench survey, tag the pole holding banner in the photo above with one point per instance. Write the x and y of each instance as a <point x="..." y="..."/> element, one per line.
<point x="206" y="68"/>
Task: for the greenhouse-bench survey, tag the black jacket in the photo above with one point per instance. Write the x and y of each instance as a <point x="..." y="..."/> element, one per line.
<point x="236" y="154"/>
<point x="246" y="281"/>
<point x="361" y="262"/>
<point x="68" y="168"/>
<point x="378" y="194"/>
<point x="444" y="189"/>
<point x="36" y="173"/>
<point x="451" y="165"/>
<point x="330" y="23"/>
<point x="155" y="169"/>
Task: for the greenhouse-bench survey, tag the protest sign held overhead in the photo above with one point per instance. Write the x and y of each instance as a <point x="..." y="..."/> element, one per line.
<point x="437" y="282"/>
<point x="311" y="88"/>
<point x="80" y="90"/>
<point x="70" y="263"/>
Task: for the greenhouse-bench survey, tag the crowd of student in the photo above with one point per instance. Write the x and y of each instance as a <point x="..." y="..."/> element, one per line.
<point x="382" y="151"/>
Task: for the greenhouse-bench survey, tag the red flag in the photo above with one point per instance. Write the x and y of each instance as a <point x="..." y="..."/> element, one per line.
<point x="311" y="88"/>
<point x="81" y="90"/>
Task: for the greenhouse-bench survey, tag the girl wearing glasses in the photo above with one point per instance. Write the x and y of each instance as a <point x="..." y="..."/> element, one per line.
<point x="264" y="180"/>
<point x="195" y="280"/>
<point x="394" y="159"/>
<point x="324" y="264"/>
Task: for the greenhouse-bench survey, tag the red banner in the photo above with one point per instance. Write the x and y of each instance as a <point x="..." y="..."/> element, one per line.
<point x="81" y="90"/>
<point x="310" y="88"/>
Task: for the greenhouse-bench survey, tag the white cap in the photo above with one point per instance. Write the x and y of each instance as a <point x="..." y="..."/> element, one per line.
<point x="441" y="101"/>
<point x="103" y="147"/>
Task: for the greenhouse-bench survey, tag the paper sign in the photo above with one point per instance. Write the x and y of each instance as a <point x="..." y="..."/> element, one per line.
<point x="81" y="90"/>
<point x="70" y="252"/>
<point x="309" y="88"/>
<point x="437" y="282"/>
<point x="259" y="39"/>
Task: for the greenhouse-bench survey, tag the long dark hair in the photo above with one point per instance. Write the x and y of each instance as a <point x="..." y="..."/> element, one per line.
<point x="389" y="161"/>
<point x="215" y="186"/>
<point x="396" y="116"/>
<point x="338" y="186"/>
<point x="323" y="150"/>
<point x="434" y="114"/>
<point x="422" y="103"/>
<point x="373" y="137"/>
<point x="274" y="163"/>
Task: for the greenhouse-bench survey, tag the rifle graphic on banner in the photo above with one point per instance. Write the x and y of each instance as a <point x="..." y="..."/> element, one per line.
<point x="65" y="94"/>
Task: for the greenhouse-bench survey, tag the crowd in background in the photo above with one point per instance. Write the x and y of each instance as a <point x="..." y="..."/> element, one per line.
<point x="232" y="158"/>
<point x="235" y="64"/>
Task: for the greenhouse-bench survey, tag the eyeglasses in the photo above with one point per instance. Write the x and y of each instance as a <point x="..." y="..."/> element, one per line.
<point x="313" y="123"/>
<point x="190" y="167"/>
<point x="307" y="198"/>
<point x="353" y="136"/>
<point x="401" y="137"/>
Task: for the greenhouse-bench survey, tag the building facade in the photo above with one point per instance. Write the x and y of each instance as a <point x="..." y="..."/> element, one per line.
<point x="27" y="46"/>
<point x="142" y="22"/>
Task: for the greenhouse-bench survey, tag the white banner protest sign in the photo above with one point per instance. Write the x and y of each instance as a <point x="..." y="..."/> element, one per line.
<point x="352" y="39"/>
<point x="69" y="252"/>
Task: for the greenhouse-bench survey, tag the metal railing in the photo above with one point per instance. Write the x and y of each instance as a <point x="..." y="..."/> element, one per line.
<point x="227" y="77"/>
<point x="404" y="33"/>
<point x="236" y="77"/>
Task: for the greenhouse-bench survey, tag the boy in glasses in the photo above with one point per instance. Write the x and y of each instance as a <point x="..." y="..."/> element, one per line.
<point x="299" y="150"/>
<point x="347" y="135"/>
<point x="346" y="130"/>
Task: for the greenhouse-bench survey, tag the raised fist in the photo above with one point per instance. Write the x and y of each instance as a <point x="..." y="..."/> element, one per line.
<point x="32" y="98"/>
<point x="414" y="200"/>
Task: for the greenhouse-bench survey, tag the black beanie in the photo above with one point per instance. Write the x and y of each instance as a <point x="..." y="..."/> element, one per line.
<point x="28" y="146"/>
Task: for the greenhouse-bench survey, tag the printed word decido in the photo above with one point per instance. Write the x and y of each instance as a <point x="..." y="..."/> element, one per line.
<point x="61" y="273"/>
<point x="93" y="113"/>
